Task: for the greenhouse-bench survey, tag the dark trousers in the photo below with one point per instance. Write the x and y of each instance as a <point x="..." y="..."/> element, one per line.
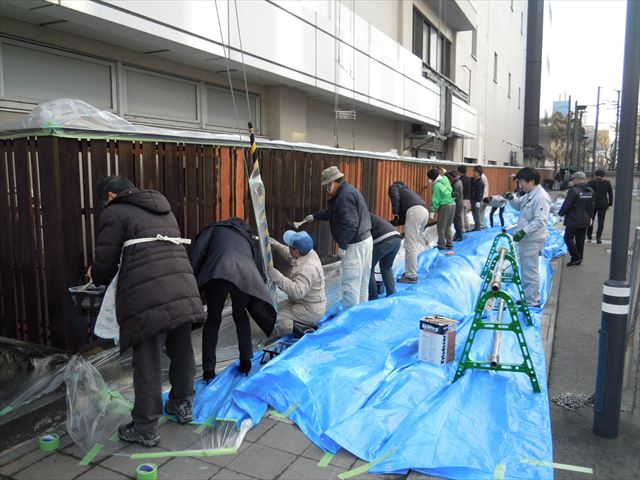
<point x="147" y="374"/>
<point x="574" y="238"/>
<point x="500" y="214"/>
<point x="216" y="292"/>
<point x="600" y="212"/>
<point x="385" y="253"/>
<point x="475" y="212"/>
<point x="457" y="220"/>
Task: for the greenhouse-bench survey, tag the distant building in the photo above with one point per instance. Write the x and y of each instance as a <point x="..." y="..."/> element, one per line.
<point x="561" y="106"/>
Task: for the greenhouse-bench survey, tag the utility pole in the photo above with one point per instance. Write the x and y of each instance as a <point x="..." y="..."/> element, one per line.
<point x="573" y="139"/>
<point x="595" y="135"/>
<point x="616" y="291"/>
<point x="566" y="153"/>
<point x="615" y="142"/>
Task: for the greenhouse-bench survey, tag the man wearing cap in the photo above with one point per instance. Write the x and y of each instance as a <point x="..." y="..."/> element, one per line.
<point x="409" y="210"/>
<point x="304" y="283"/>
<point x="350" y="224"/>
<point x="531" y="230"/>
<point x="577" y="210"/>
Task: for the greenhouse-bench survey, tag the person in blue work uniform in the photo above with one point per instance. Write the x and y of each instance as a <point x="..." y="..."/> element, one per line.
<point x="531" y="230"/>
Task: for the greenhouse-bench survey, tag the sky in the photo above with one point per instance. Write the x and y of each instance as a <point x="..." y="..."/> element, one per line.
<point x="585" y="43"/>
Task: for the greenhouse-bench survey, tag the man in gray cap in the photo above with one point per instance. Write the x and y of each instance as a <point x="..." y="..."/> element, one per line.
<point x="303" y="284"/>
<point x="350" y="225"/>
<point x="577" y="210"/>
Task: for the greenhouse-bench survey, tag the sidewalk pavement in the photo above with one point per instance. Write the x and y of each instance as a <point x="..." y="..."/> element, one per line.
<point x="276" y="449"/>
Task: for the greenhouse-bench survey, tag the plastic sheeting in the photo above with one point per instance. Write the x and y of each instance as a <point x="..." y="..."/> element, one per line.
<point x="357" y="383"/>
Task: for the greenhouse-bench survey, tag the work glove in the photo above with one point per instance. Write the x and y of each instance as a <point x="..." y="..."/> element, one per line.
<point x="478" y="204"/>
<point x="508" y="195"/>
<point x="432" y="215"/>
<point x="341" y="253"/>
<point x="308" y="219"/>
<point x="272" y="241"/>
<point x="519" y="235"/>
<point x="274" y="274"/>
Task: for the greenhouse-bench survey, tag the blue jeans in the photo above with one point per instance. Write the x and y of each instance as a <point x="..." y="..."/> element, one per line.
<point x="385" y="253"/>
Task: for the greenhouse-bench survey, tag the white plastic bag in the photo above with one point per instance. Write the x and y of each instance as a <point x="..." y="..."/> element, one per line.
<point x="107" y="322"/>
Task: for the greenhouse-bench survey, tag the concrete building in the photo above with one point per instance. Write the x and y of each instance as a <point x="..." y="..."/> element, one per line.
<point x="423" y="77"/>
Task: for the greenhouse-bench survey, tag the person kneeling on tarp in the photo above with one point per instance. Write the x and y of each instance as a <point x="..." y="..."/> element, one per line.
<point x="226" y="261"/>
<point x="304" y="284"/>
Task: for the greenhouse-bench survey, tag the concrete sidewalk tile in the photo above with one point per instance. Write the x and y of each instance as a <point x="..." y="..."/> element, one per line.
<point x="306" y="469"/>
<point x="23" y="462"/>
<point x="224" y="460"/>
<point x="341" y="459"/>
<point x="17" y="451"/>
<point x="261" y="462"/>
<point x="285" y="437"/>
<point x="108" y="448"/>
<point x="54" y="467"/>
<point x="174" y="436"/>
<point x="263" y="427"/>
<point x="225" y="474"/>
<point x="120" y="461"/>
<point x="99" y="473"/>
<point x="187" y="468"/>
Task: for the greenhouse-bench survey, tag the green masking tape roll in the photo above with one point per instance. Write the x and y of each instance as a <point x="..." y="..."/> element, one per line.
<point x="49" y="442"/>
<point x="147" y="471"/>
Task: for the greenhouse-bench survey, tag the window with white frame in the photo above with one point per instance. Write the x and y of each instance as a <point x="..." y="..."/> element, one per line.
<point x="430" y="45"/>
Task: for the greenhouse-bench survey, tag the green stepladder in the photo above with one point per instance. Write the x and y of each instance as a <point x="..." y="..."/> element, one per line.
<point x="491" y="289"/>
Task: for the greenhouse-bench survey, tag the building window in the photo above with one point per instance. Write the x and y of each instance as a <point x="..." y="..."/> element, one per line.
<point x="509" y="86"/>
<point x="519" y="91"/>
<point x="495" y="67"/>
<point x="430" y="44"/>
<point x="474" y="43"/>
<point x="521" y="23"/>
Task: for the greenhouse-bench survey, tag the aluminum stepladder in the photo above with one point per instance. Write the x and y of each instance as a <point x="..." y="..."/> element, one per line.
<point x="491" y="284"/>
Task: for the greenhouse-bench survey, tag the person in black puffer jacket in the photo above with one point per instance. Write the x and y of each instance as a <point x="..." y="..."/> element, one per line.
<point x="577" y="210"/>
<point x="157" y="299"/>
<point x="226" y="261"/>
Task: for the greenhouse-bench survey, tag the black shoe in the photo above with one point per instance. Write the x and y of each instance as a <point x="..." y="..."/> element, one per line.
<point x="598" y="241"/>
<point x="449" y="247"/>
<point x="459" y="239"/>
<point x="590" y="239"/>
<point x="245" y="367"/>
<point x="406" y="279"/>
<point x="130" y="433"/>
<point x="208" y="375"/>
<point x="181" y="409"/>
<point x="441" y="248"/>
<point x="574" y="262"/>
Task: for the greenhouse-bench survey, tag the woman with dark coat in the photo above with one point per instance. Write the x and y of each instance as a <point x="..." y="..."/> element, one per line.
<point x="226" y="261"/>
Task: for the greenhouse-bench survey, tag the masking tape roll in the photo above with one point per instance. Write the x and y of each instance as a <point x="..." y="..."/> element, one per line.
<point x="147" y="471"/>
<point x="49" y="442"/>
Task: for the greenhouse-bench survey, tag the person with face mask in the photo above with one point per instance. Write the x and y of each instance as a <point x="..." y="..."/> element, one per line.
<point x="531" y="230"/>
<point x="350" y="224"/>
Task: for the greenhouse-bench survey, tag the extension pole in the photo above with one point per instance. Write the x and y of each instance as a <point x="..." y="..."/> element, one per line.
<point x="566" y="152"/>
<point x="616" y="291"/>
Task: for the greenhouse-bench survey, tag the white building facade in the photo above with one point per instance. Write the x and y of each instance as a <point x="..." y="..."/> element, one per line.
<point x="424" y="77"/>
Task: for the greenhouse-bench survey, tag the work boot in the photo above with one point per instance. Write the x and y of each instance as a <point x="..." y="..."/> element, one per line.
<point x="245" y="367"/>
<point x="406" y="279"/>
<point x="181" y="409"/>
<point x="208" y="375"/>
<point x="572" y="263"/>
<point x="130" y="433"/>
<point x="598" y="241"/>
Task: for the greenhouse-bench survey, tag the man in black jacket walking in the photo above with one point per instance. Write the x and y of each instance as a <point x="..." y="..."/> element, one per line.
<point x="156" y="300"/>
<point x="350" y="223"/>
<point x="577" y="210"/>
<point x="226" y="261"/>
<point x="603" y="199"/>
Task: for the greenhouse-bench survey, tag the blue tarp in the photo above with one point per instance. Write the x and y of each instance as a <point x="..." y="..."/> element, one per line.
<point x="357" y="383"/>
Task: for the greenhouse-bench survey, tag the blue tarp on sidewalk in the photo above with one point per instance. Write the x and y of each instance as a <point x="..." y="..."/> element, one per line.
<point x="357" y="383"/>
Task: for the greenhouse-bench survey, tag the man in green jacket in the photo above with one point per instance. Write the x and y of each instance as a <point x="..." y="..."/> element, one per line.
<point x="442" y="203"/>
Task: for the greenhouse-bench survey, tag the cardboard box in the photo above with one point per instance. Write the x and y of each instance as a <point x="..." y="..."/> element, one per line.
<point x="437" y="342"/>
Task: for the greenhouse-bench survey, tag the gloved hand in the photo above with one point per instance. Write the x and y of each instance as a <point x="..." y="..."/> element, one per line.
<point x="519" y="235"/>
<point x="508" y="195"/>
<point x="308" y="219"/>
<point x="478" y="204"/>
<point x="432" y="215"/>
<point x="274" y="274"/>
<point x="341" y="253"/>
<point x="395" y="220"/>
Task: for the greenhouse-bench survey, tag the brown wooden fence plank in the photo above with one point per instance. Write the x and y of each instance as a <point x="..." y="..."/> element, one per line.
<point x="225" y="182"/>
<point x="240" y="184"/>
<point x="27" y="251"/>
<point x="151" y="178"/>
<point x="125" y="160"/>
<point x="191" y="193"/>
<point x="8" y="311"/>
<point x="209" y="185"/>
